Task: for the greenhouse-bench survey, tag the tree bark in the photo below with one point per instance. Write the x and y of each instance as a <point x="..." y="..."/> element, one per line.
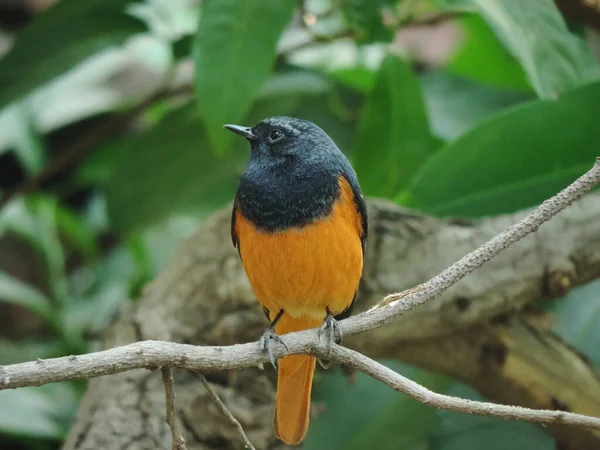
<point x="483" y="331"/>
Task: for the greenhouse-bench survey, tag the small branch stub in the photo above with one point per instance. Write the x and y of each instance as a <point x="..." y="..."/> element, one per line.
<point x="225" y="411"/>
<point x="171" y="418"/>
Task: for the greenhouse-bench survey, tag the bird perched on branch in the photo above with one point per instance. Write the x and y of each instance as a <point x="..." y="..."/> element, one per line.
<point x="299" y="223"/>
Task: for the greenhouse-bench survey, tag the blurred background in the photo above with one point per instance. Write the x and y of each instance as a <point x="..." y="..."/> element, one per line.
<point x="112" y="151"/>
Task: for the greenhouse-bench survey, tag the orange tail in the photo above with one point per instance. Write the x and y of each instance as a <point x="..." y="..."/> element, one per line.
<point x="294" y="384"/>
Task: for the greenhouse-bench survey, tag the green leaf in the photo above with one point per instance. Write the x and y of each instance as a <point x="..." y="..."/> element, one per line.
<point x="35" y="219"/>
<point x="234" y="52"/>
<point x="405" y="423"/>
<point x="456" y="104"/>
<point x="482" y="58"/>
<point x="48" y="47"/>
<point x="367" y="414"/>
<point x="393" y="137"/>
<point x="536" y="34"/>
<point x="15" y="292"/>
<point x="359" y="78"/>
<point x="140" y="253"/>
<point x="512" y="161"/>
<point x="43" y="412"/>
<point x="16" y="218"/>
<point x="577" y="319"/>
<point x="45" y="210"/>
<point x="365" y="19"/>
<point x="458" y="431"/>
<point x="29" y="146"/>
<point x="100" y="294"/>
<point x="295" y="83"/>
<point x="170" y="169"/>
<point x="341" y="417"/>
<point x="77" y="232"/>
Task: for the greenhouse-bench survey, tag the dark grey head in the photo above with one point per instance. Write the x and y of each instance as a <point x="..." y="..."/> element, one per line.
<point x="293" y="172"/>
<point x="280" y="140"/>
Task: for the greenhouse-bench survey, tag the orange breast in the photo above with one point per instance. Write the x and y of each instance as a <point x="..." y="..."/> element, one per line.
<point x="304" y="270"/>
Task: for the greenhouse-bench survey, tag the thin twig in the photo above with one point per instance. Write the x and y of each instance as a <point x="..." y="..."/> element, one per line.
<point x="171" y="419"/>
<point x="152" y="354"/>
<point x="402" y="384"/>
<point x="224" y="410"/>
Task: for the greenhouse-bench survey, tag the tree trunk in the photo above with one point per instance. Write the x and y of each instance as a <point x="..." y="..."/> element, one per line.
<point x="482" y="331"/>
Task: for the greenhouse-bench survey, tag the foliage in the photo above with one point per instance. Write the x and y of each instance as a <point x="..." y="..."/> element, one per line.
<point x="416" y="426"/>
<point x="488" y="153"/>
<point x="502" y="116"/>
<point x="229" y="43"/>
<point x="394" y="131"/>
<point x="53" y="53"/>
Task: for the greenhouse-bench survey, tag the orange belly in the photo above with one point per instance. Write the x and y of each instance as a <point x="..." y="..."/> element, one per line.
<point x="306" y="270"/>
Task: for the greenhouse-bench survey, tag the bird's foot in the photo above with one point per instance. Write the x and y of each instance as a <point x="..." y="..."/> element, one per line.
<point x="265" y="344"/>
<point x="331" y="327"/>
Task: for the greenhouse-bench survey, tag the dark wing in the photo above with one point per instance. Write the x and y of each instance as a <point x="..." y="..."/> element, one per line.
<point x="234" y="237"/>
<point x="361" y="208"/>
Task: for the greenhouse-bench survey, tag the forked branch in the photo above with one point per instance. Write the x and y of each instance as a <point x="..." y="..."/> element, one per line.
<point x="155" y="354"/>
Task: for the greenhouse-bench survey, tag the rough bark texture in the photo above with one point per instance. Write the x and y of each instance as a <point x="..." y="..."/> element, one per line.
<point x="481" y="331"/>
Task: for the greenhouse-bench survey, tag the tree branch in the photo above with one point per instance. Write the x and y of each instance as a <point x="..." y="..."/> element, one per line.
<point x="171" y="418"/>
<point x="152" y="354"/>
<point x="402" y="384"/>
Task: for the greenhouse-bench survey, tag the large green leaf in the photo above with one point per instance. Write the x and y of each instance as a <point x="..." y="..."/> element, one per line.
<point x="536" y="34"/>
<point x="393" y="138"/>
<point x="60" y="38"/>
<point x="234" y="52"/>
<point x="359" y="78"/>
<point x="170" y="169"/>
<point x="456" y="104"/>
<point x="514" y="160"/>
<point x="457" y="431"/>
<point x="577" y="319"/>
<point x="481" y="57"/>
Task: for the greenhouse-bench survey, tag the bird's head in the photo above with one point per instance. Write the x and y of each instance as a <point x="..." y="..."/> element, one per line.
<point x="281" y="140"/>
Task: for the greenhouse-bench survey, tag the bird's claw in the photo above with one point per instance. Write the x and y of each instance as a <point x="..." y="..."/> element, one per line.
<point x="332" y="327"/>
<point x="265" y="344"/>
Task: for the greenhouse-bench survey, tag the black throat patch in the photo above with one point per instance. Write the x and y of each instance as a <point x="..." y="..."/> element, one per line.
<point x="275" y="203"/>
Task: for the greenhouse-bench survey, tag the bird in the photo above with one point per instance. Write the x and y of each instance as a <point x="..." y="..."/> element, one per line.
<point x="299" y="223"/>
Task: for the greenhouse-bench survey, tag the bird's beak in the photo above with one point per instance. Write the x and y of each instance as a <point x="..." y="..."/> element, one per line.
<point x="242" y="131"/>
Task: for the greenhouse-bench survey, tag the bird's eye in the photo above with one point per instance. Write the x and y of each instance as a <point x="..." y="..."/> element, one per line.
<point x="275" y="136"/>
